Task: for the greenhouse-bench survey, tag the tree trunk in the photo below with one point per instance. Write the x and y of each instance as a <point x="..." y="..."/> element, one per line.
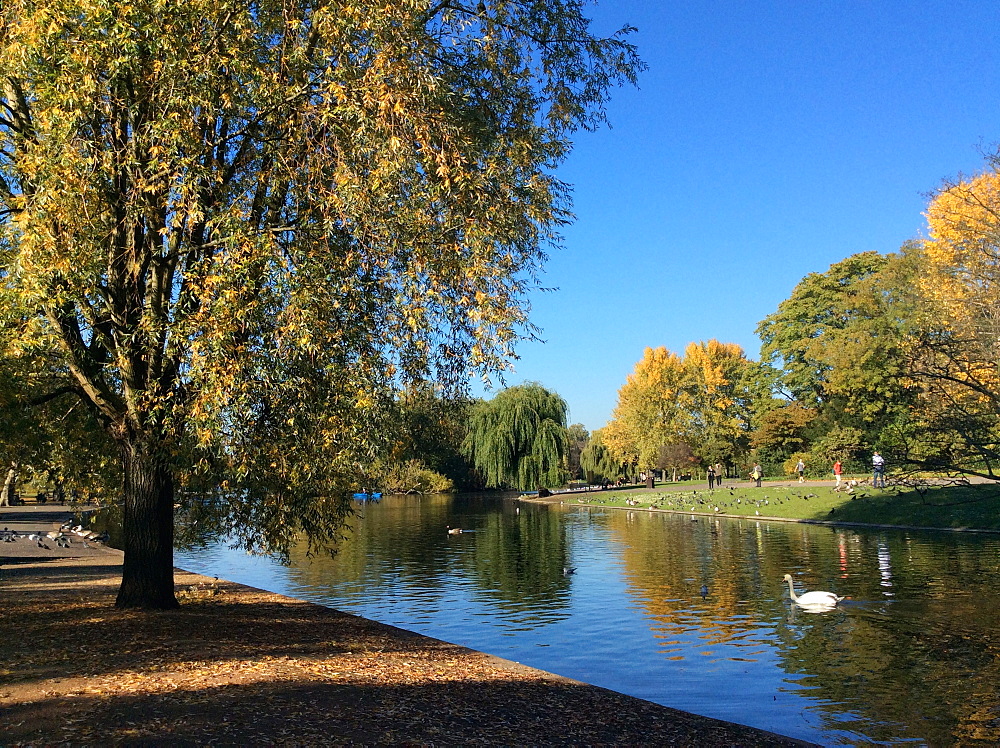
<point x="148" y="530"/>
<point x="9" y="486"/>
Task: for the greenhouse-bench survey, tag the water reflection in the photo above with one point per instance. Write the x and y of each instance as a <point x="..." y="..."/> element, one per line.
<point x="691" y="613"/>
<point x="884" y="564"/>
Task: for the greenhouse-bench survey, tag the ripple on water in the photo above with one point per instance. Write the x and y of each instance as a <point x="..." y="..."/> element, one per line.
<point x="908" y="659"/>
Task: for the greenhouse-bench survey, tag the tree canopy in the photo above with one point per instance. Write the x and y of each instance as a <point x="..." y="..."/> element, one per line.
<point x="954" y="360"/>
<point x="232" y="228"/>
<point x="701" y="400"/>
<point x="841" y="341"/>
<point x="654" y="408"/>
<point x="519" y="438"/>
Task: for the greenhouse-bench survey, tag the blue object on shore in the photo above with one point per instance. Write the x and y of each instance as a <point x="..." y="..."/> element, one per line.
<point x="374" y="496"/>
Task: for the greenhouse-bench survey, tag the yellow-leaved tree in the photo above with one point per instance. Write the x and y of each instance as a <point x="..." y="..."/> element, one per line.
<point x="720" y="382"/>
<point x="673" y="410"/>
<point x="957" y="359"/>
<point x="654" y="409"/>
<point x="231" y="229"/>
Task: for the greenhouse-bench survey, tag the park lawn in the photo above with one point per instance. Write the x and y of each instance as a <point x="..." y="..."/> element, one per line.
<point x="972" y="507"/>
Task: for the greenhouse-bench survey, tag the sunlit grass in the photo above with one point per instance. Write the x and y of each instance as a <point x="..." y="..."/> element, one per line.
<point x="953" y="506"/>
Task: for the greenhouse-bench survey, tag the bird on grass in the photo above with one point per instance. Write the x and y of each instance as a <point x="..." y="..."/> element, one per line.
<point x="813" y="600"/>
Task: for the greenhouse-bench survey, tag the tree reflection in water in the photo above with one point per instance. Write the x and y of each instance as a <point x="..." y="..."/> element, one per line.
<point x="691" y="614"/>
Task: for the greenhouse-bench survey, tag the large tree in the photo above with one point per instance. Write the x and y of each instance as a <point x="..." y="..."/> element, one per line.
<point x="231" y="227"/>
<point x="721" y="386"/>
<point x="841" y="340"/>
<point x="654" y="408"/>
<point x="579" y="438"/>
<point x="956" y="359"/>
<point x="701" y="400"/>
<point x="431" y="431"/>
<point x="519" y="438"/>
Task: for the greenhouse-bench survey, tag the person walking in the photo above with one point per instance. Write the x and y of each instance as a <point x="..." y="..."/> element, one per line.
<point x="718" y="474"/>
<point x="711" y="477"/>
<point x="757" y="473"/>
<point x="836" y="473"/>
<point x="800" y="468"/>
<point x="878" y="471"/>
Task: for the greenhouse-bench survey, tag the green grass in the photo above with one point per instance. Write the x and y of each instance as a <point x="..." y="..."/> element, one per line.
<point x="975" y="507"/>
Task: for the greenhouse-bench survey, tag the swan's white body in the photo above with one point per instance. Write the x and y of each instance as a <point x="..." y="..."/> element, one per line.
<point x="814" y="599"/>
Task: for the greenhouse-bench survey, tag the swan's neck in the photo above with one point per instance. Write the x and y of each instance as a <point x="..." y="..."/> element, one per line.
<point x="791" y="591"/>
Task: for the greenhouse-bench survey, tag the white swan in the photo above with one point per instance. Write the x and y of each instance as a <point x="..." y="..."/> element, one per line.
<point x="814" y="599"/>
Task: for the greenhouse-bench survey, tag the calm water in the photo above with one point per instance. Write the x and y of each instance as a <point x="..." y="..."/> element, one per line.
<point x="913" y="656"/>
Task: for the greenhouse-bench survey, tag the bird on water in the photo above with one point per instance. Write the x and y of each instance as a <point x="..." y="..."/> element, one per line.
<point x="815" y="599"/>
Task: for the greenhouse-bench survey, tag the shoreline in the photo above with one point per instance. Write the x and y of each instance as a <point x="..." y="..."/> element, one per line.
<point x="237" y="665"/>
<point x="557" y="499"/>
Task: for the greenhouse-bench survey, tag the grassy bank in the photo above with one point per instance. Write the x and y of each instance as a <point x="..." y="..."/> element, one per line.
<point x="972" y="507"/>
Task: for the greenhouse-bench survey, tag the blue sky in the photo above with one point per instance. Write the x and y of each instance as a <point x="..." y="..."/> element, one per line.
<point x="766" y="141"/>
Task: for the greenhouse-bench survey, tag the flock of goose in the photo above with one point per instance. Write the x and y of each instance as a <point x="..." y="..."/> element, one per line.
<point x="62" y="538"/>
<point x="715" y="500"/>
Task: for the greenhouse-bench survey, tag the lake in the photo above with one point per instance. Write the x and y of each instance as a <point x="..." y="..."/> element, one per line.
<point x="689" y="613"/>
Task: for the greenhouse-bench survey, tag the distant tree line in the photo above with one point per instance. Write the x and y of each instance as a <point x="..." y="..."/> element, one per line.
<point x="896" y="352"/>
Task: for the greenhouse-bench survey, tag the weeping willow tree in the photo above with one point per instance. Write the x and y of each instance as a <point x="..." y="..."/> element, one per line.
<point x="519" y="438"/>
<point x="598" y="462"/>
<point x="232" y="227"/>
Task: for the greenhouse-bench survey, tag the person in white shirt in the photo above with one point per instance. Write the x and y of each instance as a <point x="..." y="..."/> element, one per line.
<point x="878" y="471"/>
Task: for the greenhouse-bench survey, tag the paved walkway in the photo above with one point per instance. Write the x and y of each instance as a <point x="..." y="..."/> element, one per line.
<point x="40" y="519"/>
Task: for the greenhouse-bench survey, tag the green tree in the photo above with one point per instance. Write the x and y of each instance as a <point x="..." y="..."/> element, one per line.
<point x="232" y="229"/>
<point x="579" y="437"/>
<point x="519" y="438"/>
<point x="782" y="432"/>
<point x="598" y="462"/>
<point x="432" y="429"/>
<point x="841" y="340"/>
<point x="841" y="443"/>
<point x="45" y="432"/>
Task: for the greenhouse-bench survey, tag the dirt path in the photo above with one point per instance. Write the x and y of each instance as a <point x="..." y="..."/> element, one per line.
<point x="238" y="666"/>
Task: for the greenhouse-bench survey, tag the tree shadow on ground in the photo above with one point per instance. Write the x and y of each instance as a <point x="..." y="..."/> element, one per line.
<point x="503" y="712"/>
<point x="236" y="665"/>
<point x="945" y="507"/>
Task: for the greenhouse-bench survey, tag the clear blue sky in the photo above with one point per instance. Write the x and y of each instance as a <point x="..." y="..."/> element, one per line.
<point x="766" y="141"/>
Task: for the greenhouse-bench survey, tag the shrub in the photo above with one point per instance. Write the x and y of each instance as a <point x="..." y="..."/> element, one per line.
<point x="413" y="476"/>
